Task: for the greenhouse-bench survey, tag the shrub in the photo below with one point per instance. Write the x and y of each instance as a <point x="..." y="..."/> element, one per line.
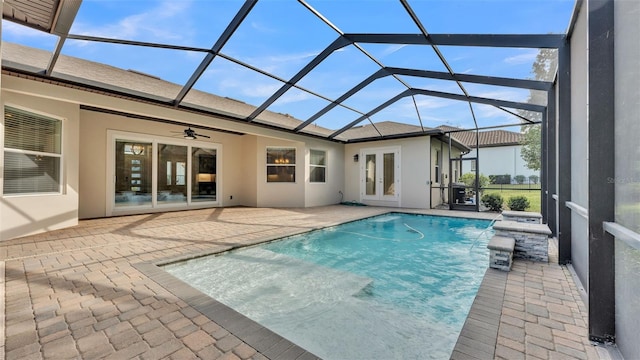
<point x="492" y="201"/>
<point x="500" y="179"/>
<point x="469" y="179"/>
<point x="520" y="179"/>
<point x="518" y="203"/>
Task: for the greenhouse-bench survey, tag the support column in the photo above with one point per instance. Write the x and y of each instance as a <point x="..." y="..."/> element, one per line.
<point x="601" y="168"/>
<point x="564" y="153"/>
<point x="544" y="177"/>
<point x="551" y="162"/>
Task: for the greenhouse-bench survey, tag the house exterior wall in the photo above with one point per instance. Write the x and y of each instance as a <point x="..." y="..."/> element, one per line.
<point x="318" y="194"/>
<point x="627" y="174"/>
<point x="414" y="172"/>
<point x="500" y="160"/>
<point x="249" y="173"/>
<point x="94" y="175"/>
<point x="86" y="143"/>
<point x="283" y="194"/>
<point x="30" y="214"/>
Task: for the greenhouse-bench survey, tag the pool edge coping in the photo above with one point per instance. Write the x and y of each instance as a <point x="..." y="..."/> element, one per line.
<point x="479" y="334"/>
<point x="274" y="346"/>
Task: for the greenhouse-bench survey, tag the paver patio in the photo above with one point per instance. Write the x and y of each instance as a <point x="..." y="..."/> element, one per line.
<point x="90" y="292"/>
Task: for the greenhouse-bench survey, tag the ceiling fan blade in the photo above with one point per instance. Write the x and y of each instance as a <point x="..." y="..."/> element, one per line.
<point x="204" y="136"/>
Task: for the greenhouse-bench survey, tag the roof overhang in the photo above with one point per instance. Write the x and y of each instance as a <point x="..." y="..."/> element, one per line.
<point x="51" y="16"/>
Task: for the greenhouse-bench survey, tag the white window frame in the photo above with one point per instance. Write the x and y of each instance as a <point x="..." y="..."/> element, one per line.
<point x="313" y="166"/>
<point x="114" y="135"/>
<point x="61" y="177"/>
<point x="294" y="164"/>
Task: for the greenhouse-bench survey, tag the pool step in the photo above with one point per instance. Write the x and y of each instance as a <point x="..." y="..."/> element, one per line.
<point x="230" y="280"/>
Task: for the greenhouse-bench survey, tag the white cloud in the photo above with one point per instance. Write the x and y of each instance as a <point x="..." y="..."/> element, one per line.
<point x="509" y="95"/>
<point x="151" y="25"/>
<point x="262" y="28"/>
<point x="11" y="29"/>
<point x="281" y="63"/>
<point x="527" y="57"/>
<point x="391" y="49"/>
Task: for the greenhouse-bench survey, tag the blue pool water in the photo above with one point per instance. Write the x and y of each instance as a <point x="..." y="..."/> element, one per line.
<point x="396" y="286"/>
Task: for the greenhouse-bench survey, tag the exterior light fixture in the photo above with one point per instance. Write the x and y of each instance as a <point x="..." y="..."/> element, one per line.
<point x="137" y="149"/>
<point x="356" y="157"/>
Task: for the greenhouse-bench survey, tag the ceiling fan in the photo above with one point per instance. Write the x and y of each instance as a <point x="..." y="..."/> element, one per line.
<point x="191" y="134"/>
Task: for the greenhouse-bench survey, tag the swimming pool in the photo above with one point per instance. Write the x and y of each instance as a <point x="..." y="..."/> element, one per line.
<point x="396" y="286"/>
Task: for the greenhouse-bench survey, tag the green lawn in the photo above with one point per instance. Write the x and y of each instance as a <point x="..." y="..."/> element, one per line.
<point x="515" y="190"/>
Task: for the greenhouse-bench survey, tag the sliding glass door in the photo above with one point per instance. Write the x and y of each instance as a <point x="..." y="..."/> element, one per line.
<point x="203" y="174"/>
<point x="133" y="185"/>
<point x="153" y="173"/>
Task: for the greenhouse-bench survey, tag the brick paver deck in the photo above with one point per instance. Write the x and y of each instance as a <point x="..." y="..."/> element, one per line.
<point x="91" y="291"/>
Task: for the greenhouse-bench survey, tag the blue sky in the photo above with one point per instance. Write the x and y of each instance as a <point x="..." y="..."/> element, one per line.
<point x="281" y="36"/>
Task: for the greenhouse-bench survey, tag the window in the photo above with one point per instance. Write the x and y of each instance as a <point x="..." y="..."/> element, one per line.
<point x="281" y="164"/>
<point x="317" y="166"/>
<point x="473" y="165"/>
<point x="32" y="153"/>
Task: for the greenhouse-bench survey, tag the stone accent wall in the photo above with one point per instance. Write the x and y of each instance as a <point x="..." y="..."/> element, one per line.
<point x="500" y="260"/>
<point x="530" y="246"/>
<point x="532" y="239"/>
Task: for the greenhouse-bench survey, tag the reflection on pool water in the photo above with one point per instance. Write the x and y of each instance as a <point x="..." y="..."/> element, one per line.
<point x="396" y="286"/>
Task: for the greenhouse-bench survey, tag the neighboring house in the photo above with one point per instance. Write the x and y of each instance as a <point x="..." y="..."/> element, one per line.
<point x="92" y="141"/>
<point x="499" y="152"/>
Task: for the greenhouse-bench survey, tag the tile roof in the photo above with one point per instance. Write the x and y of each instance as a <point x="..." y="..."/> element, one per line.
<point x="485" y="138"/>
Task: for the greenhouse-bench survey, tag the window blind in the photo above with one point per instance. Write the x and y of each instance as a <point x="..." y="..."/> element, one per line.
<point x="26" y="131"/>
<point x="32" y="153"/>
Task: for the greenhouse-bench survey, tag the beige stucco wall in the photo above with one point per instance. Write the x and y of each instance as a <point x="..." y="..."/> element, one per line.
<point x="243" y="159"/>
<point x="279" y="194"/>
<point x="318" y="194"/>
<point x="414" y="172"/>
<point x="249" y="172"/>
<point x="30" y="214"/>
<point x="93" y="158"/>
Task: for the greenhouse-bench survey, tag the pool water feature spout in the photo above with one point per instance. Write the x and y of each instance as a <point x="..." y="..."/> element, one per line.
<point x="484" y="232"/>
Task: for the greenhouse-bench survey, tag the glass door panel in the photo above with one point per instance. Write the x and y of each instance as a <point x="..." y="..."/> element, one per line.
<point x="388" y="177"/>
<point x="379" y="174"/>
<point x="370" y="174"/>
<point x="172" y="174"/>
<point x="133" y="173"/>
<point x="203" y="174"/>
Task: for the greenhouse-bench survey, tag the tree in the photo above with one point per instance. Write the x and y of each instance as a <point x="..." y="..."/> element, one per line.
<point x="544" y="68"/>
<point x="531" y="147"/>
<point x="520" y="179"/>
<point x="469" y="180"/>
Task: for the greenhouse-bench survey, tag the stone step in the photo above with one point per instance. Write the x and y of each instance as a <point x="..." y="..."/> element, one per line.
<point x="501" y="252"/>
<point x="531" y="239"/>
<point x="526" y="227"/>
<point x="522" y="216"/>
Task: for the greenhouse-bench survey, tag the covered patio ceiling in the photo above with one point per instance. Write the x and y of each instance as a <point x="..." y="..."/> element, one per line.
<point x="345" y="71"/>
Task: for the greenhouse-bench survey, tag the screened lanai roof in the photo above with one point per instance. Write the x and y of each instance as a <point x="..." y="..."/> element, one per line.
<point x="341" y="70"/>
